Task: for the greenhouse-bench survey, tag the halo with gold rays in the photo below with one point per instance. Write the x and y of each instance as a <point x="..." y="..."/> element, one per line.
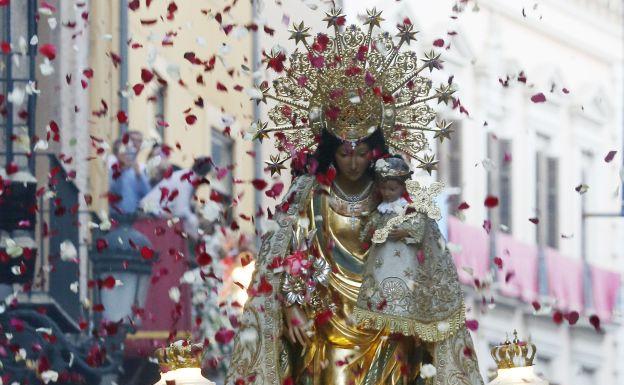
<point x="352" y="84"/>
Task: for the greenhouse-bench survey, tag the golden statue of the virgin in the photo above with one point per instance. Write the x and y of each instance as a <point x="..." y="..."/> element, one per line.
<point x="344" y="102"/>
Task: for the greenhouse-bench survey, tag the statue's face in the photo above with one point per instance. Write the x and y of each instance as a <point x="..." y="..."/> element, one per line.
<point x="391" y="189"/>
<point x="352" y="163"/>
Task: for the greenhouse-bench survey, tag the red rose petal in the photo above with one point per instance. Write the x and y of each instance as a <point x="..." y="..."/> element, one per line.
<point x="48" y="50"/>
<point x="610" y="156"/>
<point x="146" y="75"/>
<point x="557" y="317"/>
<point x="134" y="5"/>
<point x="491" y="201"/>
<point x="108" y="282"/>
<point x="463" y="206"/>
<point x="264" y="288"/>
<point x="147" y="253"/>
<point x="420" y="256"/>
<point x="594" y="320"/>
<point x="275" y="190"/>
<point x="191" y="119"/>
<point x="122" y="117"/>
<point x="138" y="88"/>
<point x="538" y="98"/>
<point x="572" y="317"/>
<point x="472" y="325"/>
<point x="323" y="317"/>
<point x="224" y="336"/>
<point x="259" y="184"/>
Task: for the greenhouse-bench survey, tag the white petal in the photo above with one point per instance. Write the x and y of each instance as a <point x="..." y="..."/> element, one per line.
<point x="16" y="96"/>
<point x="188" y="277"/>
<point x="41" y="145"/>
<point x="174" y="294"/>
<point x="68" y="251"/>
<point x="49" y="376"/>
<point x="23" y="45"/>
<point x="31" y="88"/>
<point x="454" y="248"/>
<point x="45" y="11"/>
<point x="46" y="67"/>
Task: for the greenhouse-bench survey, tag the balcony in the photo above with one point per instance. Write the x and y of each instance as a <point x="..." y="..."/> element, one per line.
<point x="532" y="274"/>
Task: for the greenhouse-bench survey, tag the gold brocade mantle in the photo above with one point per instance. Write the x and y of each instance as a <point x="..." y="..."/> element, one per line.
<point x="341" y="353"/>
<point x="428" y="332"/>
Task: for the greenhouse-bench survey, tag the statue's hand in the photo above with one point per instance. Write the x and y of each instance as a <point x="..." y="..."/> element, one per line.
<point x="397" y="234"/>
<point x="297" y="325"/>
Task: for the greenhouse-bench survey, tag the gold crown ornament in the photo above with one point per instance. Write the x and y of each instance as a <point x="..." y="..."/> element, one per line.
<point x="514" y="354"/>
<point x="180" y="364"/>
<point x="352" y="84"/>
<point x="178" y="355"/>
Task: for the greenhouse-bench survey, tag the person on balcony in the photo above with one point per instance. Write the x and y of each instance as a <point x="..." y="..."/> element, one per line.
<point x="173" y="196"/>
<point x="158" y="165"/>
<point x="128" y="182"/>
<point x="133" y="140"/>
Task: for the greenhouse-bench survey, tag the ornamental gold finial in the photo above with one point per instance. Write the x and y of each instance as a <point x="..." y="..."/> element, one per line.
<point x="178" y="355"/>
<point x="351" y="83"/>
<point x="513" y="354"/>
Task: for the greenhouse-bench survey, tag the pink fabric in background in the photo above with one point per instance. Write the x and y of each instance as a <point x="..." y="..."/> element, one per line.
<point x="166" y="273"/>
<point x="565" y="280"/>
<point x="520" y="262"/>
<point x="606" y="286"/>
<point x="475" y="249"/>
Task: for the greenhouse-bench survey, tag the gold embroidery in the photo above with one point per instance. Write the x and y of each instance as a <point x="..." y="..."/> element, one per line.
<point x="430" y="332"/>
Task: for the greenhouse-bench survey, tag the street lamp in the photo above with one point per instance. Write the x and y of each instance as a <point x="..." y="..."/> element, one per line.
<point x="18" y="251"/>
<point x="119" y="256"/>
<point x="515" y="363"/>
<point x="180" y="364"/>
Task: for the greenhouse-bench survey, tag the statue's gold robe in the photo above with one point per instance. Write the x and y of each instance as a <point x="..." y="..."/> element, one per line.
<point x="341" y="352"/>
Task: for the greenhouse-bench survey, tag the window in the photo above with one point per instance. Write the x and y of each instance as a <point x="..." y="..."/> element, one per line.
<point x="547" y="199"/>
<point x="159" y="119"/>
<point x="586" y="375"/>
<point x="544" y="367"/>
<point x="17" y="69"/>
<point x="505" y="183"/>
<point x="499" y="182"/>
<point x="450" y="166"/>
<point x="222" y="153"/>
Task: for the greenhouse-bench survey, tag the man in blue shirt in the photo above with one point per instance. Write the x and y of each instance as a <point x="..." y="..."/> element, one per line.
<point x="128" y="182"/>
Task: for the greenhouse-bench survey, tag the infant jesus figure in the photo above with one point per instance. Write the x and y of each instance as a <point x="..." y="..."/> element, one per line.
<point x="409" y="289"/>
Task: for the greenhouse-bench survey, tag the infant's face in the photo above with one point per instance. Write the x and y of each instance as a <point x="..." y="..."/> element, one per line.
<point x="391" y="190"/>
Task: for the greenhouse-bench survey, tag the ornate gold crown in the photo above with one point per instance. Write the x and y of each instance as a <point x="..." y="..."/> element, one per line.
<point x="352" y="84"/>
<point x="180" y="354"/>
<point x="514" y="354"/>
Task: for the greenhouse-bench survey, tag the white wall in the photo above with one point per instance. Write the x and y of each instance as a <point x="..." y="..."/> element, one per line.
<point x="572" y="44"/>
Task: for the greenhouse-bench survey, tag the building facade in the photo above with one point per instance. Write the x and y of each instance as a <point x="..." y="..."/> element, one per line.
<point x="557" y="227"/>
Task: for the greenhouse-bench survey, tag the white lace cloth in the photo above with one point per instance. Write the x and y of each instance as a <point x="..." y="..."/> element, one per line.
<point x="397" y="206"/>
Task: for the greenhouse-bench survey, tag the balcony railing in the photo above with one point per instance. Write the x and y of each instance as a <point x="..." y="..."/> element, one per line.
<point x="531" y="273"/>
